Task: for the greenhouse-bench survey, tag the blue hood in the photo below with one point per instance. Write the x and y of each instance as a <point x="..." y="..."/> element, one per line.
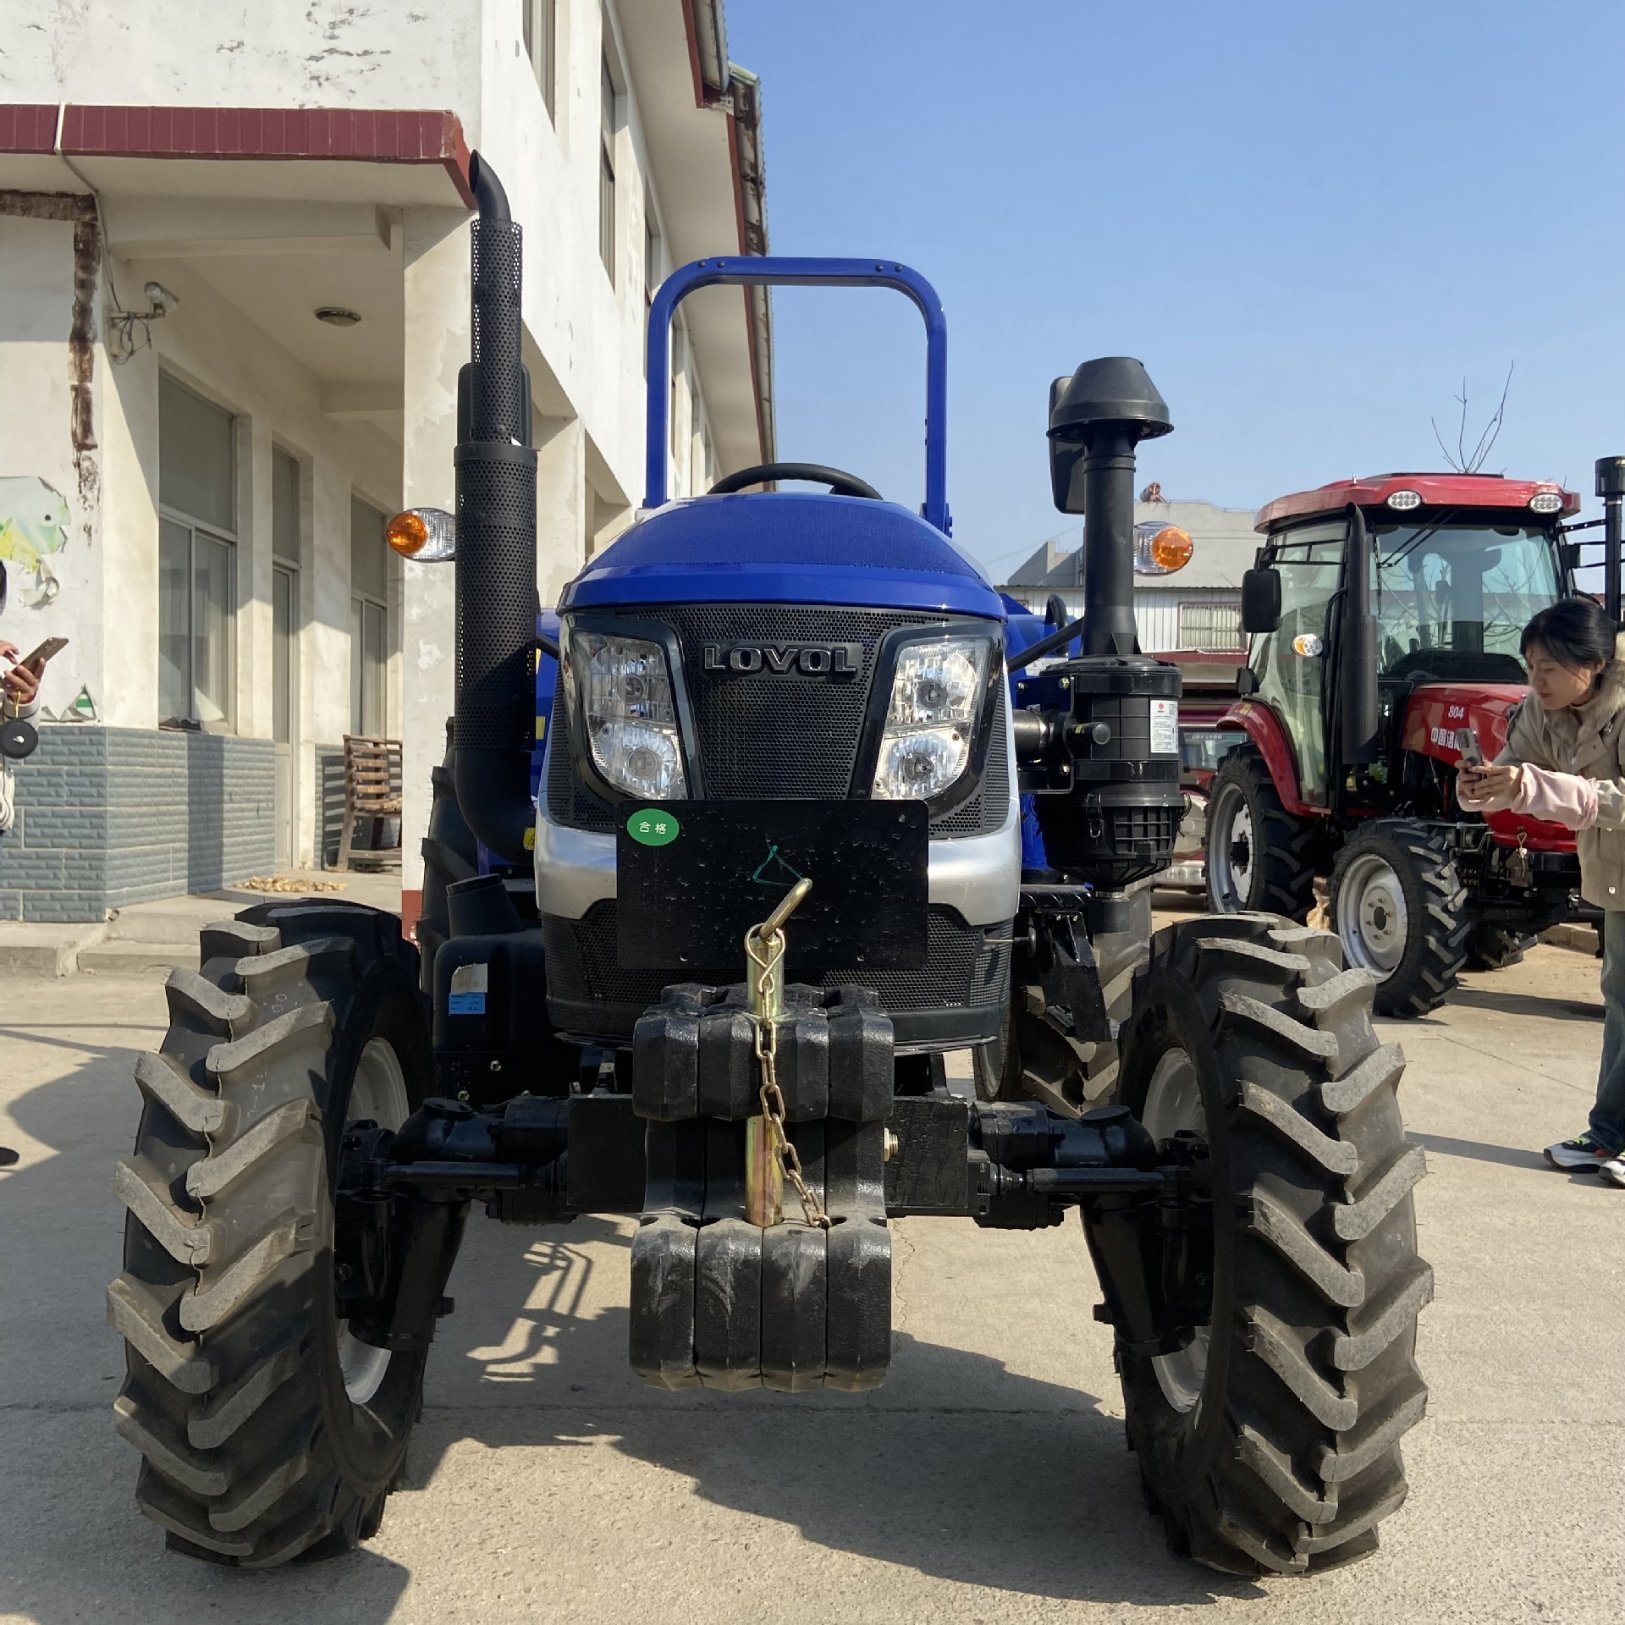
<point x="786" y="548"/>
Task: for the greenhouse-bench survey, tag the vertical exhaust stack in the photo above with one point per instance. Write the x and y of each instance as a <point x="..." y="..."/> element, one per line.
<point x="1611" y="488"/>
<point x="1110" y="809"/>
<point x="496" y="542"/>
<point x="1108" y="408"/>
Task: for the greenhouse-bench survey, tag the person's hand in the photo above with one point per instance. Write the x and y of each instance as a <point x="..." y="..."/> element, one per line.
<point x="21" y="681"/>
<point x="1485" y="788"/>
<point x="1487" y="781"/>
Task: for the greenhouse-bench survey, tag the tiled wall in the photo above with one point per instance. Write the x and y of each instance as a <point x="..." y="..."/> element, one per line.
<point x="109" y="816"/>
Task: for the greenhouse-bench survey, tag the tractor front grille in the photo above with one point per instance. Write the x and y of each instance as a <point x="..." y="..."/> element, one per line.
<point x="779" y="739"/>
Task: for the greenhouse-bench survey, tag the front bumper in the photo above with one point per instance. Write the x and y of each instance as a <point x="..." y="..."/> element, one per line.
<point x="978" y="876"/>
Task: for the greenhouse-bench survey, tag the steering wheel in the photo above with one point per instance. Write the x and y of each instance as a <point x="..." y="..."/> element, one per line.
<point x="840" y="484"/>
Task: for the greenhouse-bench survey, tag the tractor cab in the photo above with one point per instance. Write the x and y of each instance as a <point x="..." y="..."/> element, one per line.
<point x="1453" y="566"/>
<point x="1384" y="617"/>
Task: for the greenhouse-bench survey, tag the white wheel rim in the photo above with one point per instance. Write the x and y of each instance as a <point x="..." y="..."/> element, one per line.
<point x="377" y="1095"/>
<point x="1173" y="1101"/>
<point x="1230" y="850"/>
<point x="1371" y="916"/>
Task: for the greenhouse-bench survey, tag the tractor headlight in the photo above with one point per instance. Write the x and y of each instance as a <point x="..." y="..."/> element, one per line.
<point x="623" y="688"/>
<point x="936" y="697"/>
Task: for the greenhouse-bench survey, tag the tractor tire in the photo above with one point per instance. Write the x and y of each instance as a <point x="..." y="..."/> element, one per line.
<point x="1260" y="857"/>
<point x="266" y="1430"/>
<point x="1495" y="947"/>
<point x="996" y="1067"/>
<point x="450" y="853"/>
<point x="1400" y="910"/>
<point x="1271" y="1444"/>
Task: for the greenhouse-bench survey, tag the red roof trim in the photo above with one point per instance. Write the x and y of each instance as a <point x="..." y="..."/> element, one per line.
<point x="1435" y="490"/>
<point x="345" y="134"/>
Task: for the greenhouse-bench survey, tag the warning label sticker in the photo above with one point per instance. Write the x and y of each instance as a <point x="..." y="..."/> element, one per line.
<point x="1165" y="727"/>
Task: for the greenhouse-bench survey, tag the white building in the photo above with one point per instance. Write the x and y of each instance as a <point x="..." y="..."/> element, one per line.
<point x="235" y="248"/>
<point x="1198" y="607"/>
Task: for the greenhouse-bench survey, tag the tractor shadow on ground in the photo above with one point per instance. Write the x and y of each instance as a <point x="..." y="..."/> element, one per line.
<point x="1505" y="1002"/>
<point x="956" y="1467"/>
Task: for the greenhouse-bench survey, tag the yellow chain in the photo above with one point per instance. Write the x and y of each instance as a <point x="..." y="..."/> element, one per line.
<point x="770" y="1095"/>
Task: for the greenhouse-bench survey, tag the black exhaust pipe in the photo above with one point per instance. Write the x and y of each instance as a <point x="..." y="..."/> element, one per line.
<point x="1611" y="488"/>
<point x="496" y="543"/>
<point x="1105" y="763"/>
<point x="1108" y="408"/>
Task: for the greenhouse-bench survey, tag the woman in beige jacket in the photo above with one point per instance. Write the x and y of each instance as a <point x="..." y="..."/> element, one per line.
<point x="1565" y="761"/>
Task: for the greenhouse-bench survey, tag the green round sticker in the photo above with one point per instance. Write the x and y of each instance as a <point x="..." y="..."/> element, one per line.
<point x="652" y="827"/>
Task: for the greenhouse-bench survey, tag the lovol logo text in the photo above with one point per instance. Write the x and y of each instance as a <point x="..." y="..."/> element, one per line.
<point x="785" y="659"/>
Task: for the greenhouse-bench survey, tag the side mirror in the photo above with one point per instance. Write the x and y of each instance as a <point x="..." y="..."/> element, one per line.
<point x="1260" y="600"/>
<point x="1065" y="459"/>
<point x="1246" y="681"/>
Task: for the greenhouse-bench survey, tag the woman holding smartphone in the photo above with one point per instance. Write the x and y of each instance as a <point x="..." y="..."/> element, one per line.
<point x="1565" y="761"/>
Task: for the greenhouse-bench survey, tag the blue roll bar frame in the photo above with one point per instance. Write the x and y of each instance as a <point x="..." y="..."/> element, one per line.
<point x="788" y="271"/>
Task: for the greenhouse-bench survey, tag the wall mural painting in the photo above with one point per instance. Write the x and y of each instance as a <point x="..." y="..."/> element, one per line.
<point x="33" y="528"/>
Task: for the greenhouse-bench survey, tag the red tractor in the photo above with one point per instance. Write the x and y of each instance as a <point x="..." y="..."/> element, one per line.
<point x="1385" y="616"/>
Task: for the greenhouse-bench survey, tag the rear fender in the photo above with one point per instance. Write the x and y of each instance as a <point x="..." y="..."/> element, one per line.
<point x="1265" y="731"/>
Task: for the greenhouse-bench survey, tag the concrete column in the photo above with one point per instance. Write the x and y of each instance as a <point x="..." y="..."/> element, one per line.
<point x="562" y="499"/>
<point x="253" y="577"/>
<point x="127" y="695"/>
<point x="436" y="271"/>
<point x="50" y="477"/>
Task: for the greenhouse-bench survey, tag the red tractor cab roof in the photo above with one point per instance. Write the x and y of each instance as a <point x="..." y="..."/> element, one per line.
<point x="1435" y="490"/>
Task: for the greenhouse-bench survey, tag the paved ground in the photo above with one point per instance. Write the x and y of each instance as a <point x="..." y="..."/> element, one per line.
<point x="987" y="1481"/>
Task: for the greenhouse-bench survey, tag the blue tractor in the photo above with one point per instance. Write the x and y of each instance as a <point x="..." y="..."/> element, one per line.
<point x="783" y="807"/>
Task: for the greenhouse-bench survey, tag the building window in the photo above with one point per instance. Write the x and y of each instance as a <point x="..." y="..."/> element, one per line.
<point x="679" y="360"/>
<point x="1215" y="625"/>
<point x="541" y="23"/>
<point x="369" y="621"/>
<point x="197" y="559"/>
<point x="651" y="266"/>
<point x="606" y="170"/>
<point x="284" y="595"/>
<point x="651" y="250"/>
<point x="696" y="439"/>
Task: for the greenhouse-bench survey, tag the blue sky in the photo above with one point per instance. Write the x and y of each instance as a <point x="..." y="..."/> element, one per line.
<point x="1309" y="220"/>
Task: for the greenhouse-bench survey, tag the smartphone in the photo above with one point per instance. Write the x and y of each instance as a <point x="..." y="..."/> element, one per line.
<point x="1471" y="752"/>
<point x="48" y="650"/>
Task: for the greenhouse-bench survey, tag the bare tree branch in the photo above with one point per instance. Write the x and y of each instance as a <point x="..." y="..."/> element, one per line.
<point x="1444" y="449"/>
<point x="1460" y="460"/>
<point x="1492" y="429"/>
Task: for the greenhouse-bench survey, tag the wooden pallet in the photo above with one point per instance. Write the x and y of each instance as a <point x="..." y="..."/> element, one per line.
<point x="372" y="789"/>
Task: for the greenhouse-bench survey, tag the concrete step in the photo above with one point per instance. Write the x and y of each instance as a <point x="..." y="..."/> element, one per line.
<point x="121" y="958"/>
<point x="177" y="924"/>
<point x="44" y="950"/>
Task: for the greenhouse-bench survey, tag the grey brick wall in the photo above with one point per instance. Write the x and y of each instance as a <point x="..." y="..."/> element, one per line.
<point x="109" y="816"/>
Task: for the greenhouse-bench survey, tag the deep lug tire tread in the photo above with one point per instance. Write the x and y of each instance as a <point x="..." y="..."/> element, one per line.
<point x="1284" y="875"/>
<point x="1436" y="906"/>
<point x="228" y="1241"/>
<point x="1293" y="1458"/>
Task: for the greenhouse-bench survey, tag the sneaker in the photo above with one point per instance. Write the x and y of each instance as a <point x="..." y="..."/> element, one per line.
<point x="1576" y="1155"/>
<point x="1614" y="1170"/>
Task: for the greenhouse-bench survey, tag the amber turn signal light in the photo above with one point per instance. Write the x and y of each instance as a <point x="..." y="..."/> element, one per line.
<point x="426" y="535"/>
<point x="1171" y="548"/>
